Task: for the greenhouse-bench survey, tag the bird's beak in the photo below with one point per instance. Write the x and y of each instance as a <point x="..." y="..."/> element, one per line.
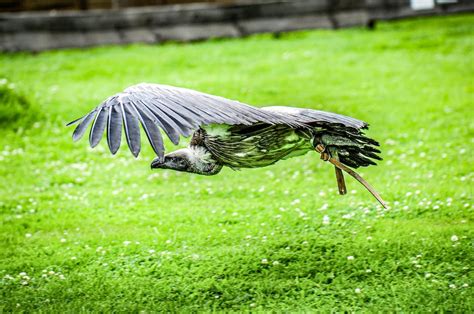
<point x="157" y="163"/>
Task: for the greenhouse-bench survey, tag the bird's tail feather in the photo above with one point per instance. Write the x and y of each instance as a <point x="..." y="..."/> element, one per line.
<point x="350" y="146"/>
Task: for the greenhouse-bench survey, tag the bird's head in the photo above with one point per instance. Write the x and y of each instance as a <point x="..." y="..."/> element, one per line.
<point x="195" y="160"/>
<point x="178" y="160"/>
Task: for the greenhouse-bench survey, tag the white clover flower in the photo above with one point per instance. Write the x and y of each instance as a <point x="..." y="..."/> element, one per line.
<point x="51" y="272"/>
<point x="452" y="286"/>
<point x="28" y="235"/>
<point x="295" y="201"/>
<point x="276" y="263"/>
<point x="62" y="277"/>
<point x="63" y="240"/>
<point x="454" y="238"/>
<point x="73" y="258"/>
<point x="264" y="261"/>
<point x="24" y="283"/>
<point x="369" y="238"/>
<point x="357" y="290"/>
<point x="326" y="220"/>
<point x="22" y="273"/>
<point x="151" y="251"/>
<point x="465" y="285"/>
<point x="368" y="270"/>
<point x="126" y="243"/>
<point x="350" y="258"/>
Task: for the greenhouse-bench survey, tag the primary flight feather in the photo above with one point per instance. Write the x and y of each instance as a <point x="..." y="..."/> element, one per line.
<point x="226" y="132"/>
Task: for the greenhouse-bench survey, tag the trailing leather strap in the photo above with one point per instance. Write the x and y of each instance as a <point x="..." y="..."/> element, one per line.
<point x="341" y="184"/>
<point x="325" y="156"/>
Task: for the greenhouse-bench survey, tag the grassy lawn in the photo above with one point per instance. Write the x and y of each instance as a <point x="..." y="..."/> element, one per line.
<point x="82" y="230"/>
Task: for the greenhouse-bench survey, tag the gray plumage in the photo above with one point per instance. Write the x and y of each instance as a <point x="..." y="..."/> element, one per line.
<point x="176" y="111"/>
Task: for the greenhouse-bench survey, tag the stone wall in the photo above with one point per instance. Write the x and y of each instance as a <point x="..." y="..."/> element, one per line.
<point x="42" y="31"/>
<point x="42" y="5"/>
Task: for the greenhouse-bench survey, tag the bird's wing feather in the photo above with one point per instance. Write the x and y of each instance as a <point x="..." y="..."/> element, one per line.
<point x="310" y="116"/>
<point x="176" y="111"/>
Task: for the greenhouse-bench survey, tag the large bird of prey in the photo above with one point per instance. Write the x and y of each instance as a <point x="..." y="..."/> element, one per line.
<point x="226" y="132"/>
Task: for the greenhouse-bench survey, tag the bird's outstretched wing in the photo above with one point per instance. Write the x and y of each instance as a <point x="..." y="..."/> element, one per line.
<point x="176" y="111"/>
<point x="317" y="117"/>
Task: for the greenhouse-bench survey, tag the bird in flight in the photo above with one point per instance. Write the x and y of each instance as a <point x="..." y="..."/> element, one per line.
<point x="226" y="132"/>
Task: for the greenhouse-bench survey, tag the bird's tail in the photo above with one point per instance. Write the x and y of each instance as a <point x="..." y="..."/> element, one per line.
<point x="347" y="147"/>
<point x="350" y="146"/>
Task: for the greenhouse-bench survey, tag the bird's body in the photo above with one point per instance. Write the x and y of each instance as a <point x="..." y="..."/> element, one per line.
<point x="253" y="146"/>
<point x="227" y="133"/>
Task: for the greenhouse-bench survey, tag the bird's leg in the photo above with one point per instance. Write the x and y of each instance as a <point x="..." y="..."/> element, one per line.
<point x="320" y="148"/>
<point x="341" y="184"/>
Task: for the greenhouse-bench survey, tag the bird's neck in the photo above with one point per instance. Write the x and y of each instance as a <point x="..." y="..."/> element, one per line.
<point x="201" y="161"/>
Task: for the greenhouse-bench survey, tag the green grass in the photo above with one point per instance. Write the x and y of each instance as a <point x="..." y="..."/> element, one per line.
<point x="94" y="232"/>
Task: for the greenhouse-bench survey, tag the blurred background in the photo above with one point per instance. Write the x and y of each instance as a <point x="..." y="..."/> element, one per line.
<point x="36" y="25"/>
<point x="22" y="5"/>
<point x="25" y="5"/>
